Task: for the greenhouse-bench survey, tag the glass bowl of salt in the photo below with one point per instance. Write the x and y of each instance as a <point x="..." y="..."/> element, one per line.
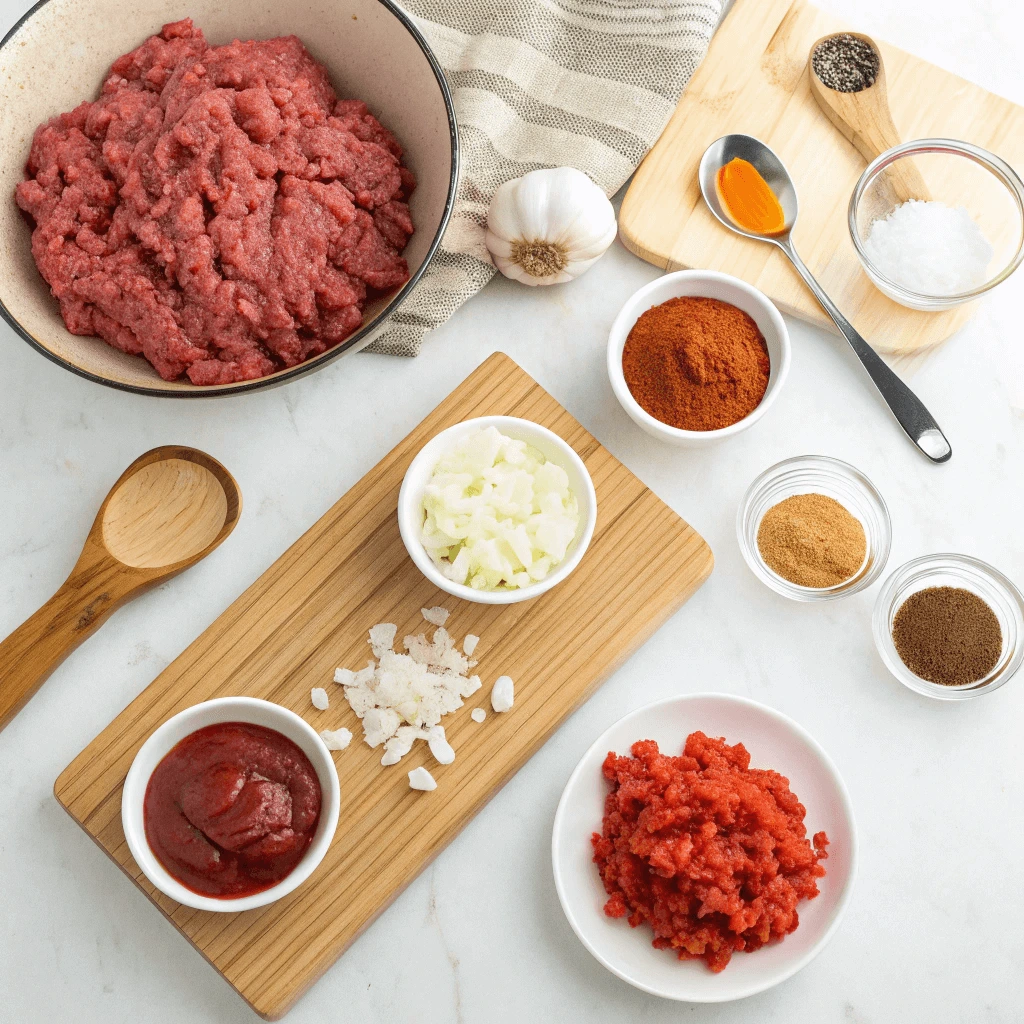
<point x="937" y="222"/>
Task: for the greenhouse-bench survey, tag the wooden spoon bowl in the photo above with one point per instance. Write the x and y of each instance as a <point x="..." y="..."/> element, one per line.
<point x="168" y="509"/>
<point x="864" y="118"/>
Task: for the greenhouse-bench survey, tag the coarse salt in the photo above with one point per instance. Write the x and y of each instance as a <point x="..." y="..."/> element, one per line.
<point x="469" y="644"/>
<point x="420" y="778"/>
<point x="336" y="739"/>
<point x="929" y="248"/>
<point x="502" y="694"/>
<point x="318" y="695"/>
<point x="478" y="714"/>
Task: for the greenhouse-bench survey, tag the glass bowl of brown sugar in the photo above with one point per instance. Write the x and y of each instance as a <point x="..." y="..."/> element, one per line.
<point x="950" y="626"/>
<point x="814" y="528"/>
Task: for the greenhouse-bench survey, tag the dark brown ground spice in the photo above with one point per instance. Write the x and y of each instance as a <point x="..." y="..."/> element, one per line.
<point x="947" y="635"/>
<point x="696" y="363"/>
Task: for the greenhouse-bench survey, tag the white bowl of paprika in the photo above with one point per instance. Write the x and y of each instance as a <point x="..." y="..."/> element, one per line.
<point x="702" y="369"/>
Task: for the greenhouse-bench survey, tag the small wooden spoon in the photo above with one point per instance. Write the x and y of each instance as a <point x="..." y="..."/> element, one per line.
<point x="170" y="508"/>
<point x="865" y="119"/>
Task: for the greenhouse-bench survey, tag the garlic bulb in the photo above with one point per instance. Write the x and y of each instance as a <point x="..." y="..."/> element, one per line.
<point x="549" y="226"/>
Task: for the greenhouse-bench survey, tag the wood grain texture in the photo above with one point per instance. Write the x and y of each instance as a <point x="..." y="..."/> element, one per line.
<point x="864" y="118"/>
<point x="309" y="613"/>
<point x="171" y="507"/>
<point x="754" y="80"/>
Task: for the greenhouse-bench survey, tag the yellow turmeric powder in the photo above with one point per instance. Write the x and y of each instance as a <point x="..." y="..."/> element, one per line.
<point x="748" y="199"/>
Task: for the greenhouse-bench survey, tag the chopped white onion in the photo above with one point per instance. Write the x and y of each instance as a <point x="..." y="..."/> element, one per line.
<point x="498" y="514"/>
<point x="502" y="694"/>
<point x="420" y="778"/>
<point x="436" y="616"/>
<point x="336" y="739"/>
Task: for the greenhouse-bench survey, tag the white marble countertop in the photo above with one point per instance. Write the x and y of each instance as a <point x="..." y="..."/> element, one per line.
<point x="933" y="933"/>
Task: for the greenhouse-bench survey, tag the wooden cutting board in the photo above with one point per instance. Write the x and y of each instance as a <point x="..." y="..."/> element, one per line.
<point x="309" y="613"/>
<point x="754" y="81"/>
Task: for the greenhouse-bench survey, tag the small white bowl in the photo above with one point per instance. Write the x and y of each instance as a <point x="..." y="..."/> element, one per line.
<point x="410" y="509"/>
<point x="708" y="284"/>
<point x="774" y="741"/>
<point x="172" y="732"/>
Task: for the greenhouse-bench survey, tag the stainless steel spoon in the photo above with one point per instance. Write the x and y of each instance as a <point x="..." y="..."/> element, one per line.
<point x="908" y="409"/>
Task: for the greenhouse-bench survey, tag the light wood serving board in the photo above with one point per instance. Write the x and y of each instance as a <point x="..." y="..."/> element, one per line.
<point x="754" y="81"/>
<point x="310" y="612"/>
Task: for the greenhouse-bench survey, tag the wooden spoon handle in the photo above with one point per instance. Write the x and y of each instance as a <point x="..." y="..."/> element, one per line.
<point x="865" y="119"/>
<point x="83" y="602"/>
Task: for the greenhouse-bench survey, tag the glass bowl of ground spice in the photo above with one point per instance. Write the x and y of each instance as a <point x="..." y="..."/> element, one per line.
<point x="937" y="222"/>
<point x="814" y="529"/>
<point x="697" y="356"/>
<point x="950" y="626"/>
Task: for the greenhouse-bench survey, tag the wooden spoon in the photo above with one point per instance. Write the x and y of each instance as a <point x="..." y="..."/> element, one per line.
<point x="865" y="119"/>
<point x="170" y="508"/>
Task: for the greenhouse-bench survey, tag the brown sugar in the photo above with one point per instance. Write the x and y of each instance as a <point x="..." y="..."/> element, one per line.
<point x="811" y="540"/>
<point x="947" y="635"/>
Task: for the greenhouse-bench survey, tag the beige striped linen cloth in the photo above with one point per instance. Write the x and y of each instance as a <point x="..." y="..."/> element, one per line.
<point x="544" y="83"/>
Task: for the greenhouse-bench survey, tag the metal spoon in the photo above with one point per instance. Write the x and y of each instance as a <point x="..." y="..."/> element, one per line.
<point x="908" y="409"/>
<point x="169" y="508"/>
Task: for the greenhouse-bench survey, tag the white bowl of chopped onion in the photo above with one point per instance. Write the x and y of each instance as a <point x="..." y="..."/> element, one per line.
<point x="497" y="510"/>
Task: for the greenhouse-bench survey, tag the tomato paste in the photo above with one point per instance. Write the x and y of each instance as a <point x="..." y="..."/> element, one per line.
<point x="711" y="853"/>
<point x="231" y="809"/>
<point x="217" y="210"/>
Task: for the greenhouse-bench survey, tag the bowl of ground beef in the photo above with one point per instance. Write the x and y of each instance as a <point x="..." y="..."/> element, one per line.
<point x="202" y="205"/>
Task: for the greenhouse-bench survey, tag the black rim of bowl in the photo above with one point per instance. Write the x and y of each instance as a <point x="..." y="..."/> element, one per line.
<point x="282" y="376"/>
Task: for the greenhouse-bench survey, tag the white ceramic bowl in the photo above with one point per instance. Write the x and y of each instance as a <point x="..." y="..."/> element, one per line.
<point x="58" y="55"/>
<point x="774" y="741"/>
<point x="411" y="516"/>
<point x="168" y="735"/>
<point x="712" y="285"/>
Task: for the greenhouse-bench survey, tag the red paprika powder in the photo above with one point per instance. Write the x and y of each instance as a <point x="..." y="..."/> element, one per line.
<point x="696" y="363"/>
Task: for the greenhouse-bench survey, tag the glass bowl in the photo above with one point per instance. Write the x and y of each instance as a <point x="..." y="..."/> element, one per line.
<point x="816" y="474"/>
<point x="989" y="584"/>
<point x="954" y="173"/>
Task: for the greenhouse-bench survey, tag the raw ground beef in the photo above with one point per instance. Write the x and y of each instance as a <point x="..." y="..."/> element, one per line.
<point x="710" y="852"/>
<point x="218" y="210"/>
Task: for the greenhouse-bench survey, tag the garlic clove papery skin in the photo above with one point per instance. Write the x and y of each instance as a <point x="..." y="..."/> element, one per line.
<point x="549" y="226"/>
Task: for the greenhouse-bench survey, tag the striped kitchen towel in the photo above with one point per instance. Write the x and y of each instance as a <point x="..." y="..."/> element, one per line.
<point x="544" y="83"/>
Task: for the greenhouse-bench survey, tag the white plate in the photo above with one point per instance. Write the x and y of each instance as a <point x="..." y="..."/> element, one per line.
<point x="774" y="741"/>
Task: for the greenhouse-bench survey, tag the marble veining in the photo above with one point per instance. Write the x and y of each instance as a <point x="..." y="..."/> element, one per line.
<point x="479" y="938"/>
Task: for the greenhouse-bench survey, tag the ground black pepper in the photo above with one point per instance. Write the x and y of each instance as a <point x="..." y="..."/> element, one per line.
<point x="947" y="635"/>
<point x="845" y="63"/>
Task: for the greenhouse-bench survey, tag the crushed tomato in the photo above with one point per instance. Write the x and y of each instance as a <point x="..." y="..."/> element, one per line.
<point x="711" y="853"/>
